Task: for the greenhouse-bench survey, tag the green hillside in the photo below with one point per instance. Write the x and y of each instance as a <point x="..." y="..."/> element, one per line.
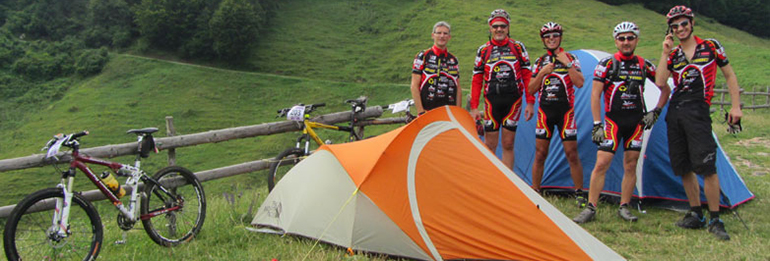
<point x="328" y="51"/>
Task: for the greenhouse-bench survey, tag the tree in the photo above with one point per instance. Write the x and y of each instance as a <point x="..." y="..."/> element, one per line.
<point x="234" y="26"/>
<point x="167" y="24"/>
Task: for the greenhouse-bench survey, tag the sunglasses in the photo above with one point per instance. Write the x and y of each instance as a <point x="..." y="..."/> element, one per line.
<point x="551" y="35"/>
<point x="624" y="38"/>
<point x="677" y="25"/>
<point x="496" y="26"/>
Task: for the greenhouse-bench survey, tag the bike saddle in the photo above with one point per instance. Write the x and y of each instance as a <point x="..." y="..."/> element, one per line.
<point x="149" y="130"/>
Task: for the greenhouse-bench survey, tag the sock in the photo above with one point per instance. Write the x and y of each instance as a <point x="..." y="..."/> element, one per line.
<point x="624" y="205"/>
<point x="579" y="193"/>
<point x="698" y="210"/>
<point x="714" y="215"/>
<point x="591" y="206"/>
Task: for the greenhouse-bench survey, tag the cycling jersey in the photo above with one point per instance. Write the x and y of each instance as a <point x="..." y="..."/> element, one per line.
<point x="694" y="79"/>
<point x="439" y="74"/>
<point x="624" y="83"/>
<point x="501" y="67"/>
<point x="556" y="87"/>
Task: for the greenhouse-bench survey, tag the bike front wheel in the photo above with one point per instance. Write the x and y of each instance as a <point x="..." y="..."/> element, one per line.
<point x="282" y="164"/>
<point x="31" y="233"/>
<point x="174" y="208"/>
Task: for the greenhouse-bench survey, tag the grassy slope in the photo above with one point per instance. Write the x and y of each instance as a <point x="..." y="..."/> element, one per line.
<point x="348" y="48"/>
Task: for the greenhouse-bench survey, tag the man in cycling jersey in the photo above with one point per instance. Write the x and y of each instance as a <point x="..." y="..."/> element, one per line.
<point x="555" y="76"/>
<point x="621" y="78"/>
<point x="501" y="70"/>
<point x="692" y="148"/>
<point x="435" y="73"/>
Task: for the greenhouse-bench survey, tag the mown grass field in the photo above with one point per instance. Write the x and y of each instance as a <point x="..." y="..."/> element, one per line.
<point x="335" y="50"/>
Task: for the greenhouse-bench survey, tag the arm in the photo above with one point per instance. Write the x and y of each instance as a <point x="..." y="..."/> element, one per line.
<point x="735" y="93"/>
<point x="459" y="95"/>
<point x="662" y="73"/>
<point x="529" y="111"/>
<point x="575" y="75"/>
<point x="415" y="87"/>
<point x="476" y="85"/>
<point x="534" y="84"/>
<point x="596" y="99"/>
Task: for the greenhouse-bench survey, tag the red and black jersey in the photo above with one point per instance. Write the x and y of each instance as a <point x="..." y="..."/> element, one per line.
<point x="556" y="87"/>
<point x="624" y="82"/>
<point x="439" y="74"/>
<point x="694" y="80"/>
<point x="501" y="67"/>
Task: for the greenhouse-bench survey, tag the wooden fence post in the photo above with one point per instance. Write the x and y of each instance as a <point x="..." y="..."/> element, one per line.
<point x="170" y="131"/>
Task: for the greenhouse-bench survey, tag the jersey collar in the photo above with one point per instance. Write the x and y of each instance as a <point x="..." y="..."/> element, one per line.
<point x="501" y="43"/>
<point x="552" y="54"/>
<point x="439" y="51"/>
<point x="619" y="56"/>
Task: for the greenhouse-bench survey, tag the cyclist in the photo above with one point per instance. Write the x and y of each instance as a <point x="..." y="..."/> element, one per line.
<point x="691" y="144"/>
<point x="435" y="73"/>
<point x="555" y="75"/>
<point x="502" y="70"/>
<point x="621" y="77"/>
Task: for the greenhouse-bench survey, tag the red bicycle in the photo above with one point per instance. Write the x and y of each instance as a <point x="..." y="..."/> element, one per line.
<point x="59" y="224"/>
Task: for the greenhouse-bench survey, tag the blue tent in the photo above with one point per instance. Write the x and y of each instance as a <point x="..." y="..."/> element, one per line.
<point x="655" y="179"/>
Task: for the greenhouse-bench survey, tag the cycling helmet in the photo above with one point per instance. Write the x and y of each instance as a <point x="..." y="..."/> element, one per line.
<point x="499" y="13"/>
<point x="625" y="27"/>
<point x="678" y="11"/>
<point x="550" y="27"/>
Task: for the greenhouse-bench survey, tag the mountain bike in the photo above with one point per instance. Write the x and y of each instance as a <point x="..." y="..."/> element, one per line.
<point x="301" y="113"/>
<point x="59" y="223"/>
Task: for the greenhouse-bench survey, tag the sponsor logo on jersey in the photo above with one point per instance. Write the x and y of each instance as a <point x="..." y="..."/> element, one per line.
<point x="700" y="60"/>
<point x="627" y="96"/>
<point x="417" y="63"/>
<point x="600" y="70"/>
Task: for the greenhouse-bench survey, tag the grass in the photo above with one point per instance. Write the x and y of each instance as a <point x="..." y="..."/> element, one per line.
<point x="331" y="51"/>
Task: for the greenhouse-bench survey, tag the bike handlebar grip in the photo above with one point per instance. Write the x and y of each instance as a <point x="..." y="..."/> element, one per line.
<point x="79" y="134"/>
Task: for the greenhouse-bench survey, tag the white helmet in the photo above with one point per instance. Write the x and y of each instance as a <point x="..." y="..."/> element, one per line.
<point x="625" y="27"/>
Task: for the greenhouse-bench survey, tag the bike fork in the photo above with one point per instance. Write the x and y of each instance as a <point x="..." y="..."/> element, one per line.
<point x="60" y="222"/>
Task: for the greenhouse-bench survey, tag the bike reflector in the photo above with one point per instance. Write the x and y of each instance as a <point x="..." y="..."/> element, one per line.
<point x="296" y="113"/>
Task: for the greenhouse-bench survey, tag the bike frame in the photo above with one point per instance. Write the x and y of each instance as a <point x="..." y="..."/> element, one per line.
<point x="134" y="173"/>
<point x="309" y="134"/>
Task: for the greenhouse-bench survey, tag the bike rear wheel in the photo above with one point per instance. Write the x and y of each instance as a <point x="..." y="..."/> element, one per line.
<point x="30" y="233"/>
<point x="282" y="164"/>
<point x="171" y="222"/>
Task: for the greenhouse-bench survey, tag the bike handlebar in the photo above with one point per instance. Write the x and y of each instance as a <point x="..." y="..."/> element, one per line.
<point x="78" y="135"/>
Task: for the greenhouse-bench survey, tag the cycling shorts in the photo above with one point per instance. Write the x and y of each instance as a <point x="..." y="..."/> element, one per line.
<point x="502" y="109"/>
<point x="691" y="145"/>
<point x="623" y="126"/>
<point x="561" y="115"/>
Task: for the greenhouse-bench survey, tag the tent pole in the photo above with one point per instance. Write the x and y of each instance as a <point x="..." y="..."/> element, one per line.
<point x="735" y="213"/>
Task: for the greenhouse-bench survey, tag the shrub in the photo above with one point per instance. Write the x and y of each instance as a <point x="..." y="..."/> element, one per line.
<point x="91" y="61"/>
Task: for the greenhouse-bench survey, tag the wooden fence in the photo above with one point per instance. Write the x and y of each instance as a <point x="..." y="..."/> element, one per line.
<point x="755" y="95"/>
<point x="172" y="142"/>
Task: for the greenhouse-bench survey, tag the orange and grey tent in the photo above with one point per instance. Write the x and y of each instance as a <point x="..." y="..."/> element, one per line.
<point x="429" y="190"/>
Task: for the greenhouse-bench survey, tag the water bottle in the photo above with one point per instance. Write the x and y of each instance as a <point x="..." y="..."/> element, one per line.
<point x="113" y="184"/>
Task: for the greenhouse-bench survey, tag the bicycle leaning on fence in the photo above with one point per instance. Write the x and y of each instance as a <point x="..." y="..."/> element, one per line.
<point x="59" y="223"/>
<point x="301" y="113"/>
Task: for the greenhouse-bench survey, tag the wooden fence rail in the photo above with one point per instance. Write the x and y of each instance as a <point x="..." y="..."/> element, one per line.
<point x="754" y="95"/>
<point x="169" y="143"/>
<point x="214" y="136"/>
